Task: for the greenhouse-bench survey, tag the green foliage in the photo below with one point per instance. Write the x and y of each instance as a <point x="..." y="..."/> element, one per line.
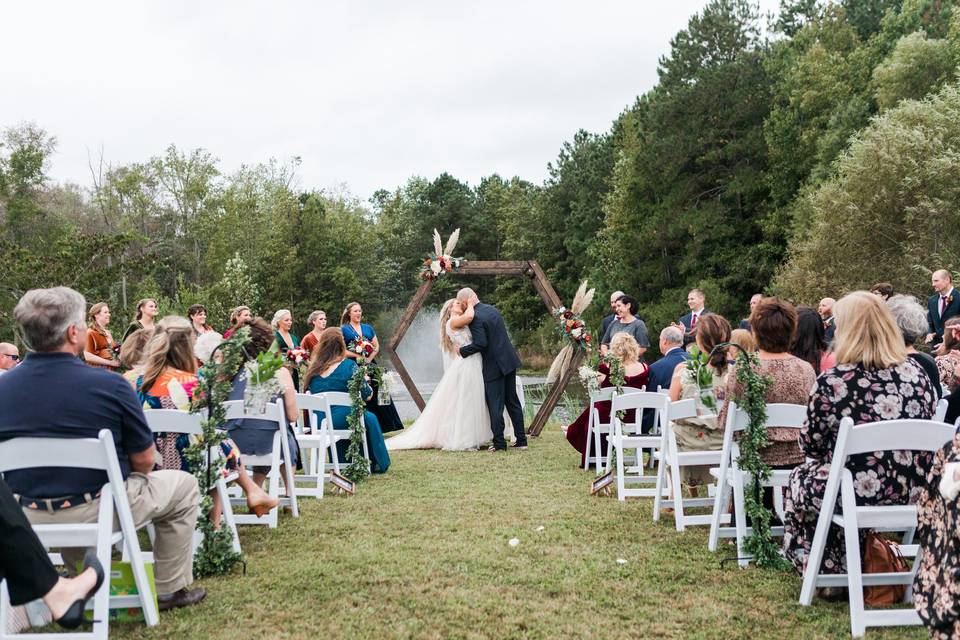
<point x="358" y="469"/>
<point x="916" y="67"/>
<point x="759" y="544"/>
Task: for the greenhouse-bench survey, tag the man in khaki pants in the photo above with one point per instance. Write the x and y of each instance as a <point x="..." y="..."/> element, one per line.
<point x="54" y="394"/>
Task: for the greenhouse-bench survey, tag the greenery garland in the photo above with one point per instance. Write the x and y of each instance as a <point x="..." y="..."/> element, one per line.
<point x="359" y="468"/>
<point x="215" y="555"/>
<point x="752" y="399"/>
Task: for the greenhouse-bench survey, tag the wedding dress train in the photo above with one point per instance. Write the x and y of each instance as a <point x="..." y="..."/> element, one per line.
<point x="456" y="416"/>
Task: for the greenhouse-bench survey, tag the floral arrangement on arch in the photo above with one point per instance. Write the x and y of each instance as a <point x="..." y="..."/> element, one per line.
<point x="442" y="260"/>
<point x="572" y="330"/>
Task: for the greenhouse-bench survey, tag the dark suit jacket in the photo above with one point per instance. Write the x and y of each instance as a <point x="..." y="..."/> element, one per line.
<point x="685" y="320"/>
<point x="934" y="319"/>
<point x="606" y="323"/>
<point x="661" y="373"/>
<point x="490" y="339"/>
<point x="829" y="328"/>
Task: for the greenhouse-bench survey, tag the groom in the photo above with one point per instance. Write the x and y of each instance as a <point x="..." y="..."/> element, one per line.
<point x="500" y="363"/>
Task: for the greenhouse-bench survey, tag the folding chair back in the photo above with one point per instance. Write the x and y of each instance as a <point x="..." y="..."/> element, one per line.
<point x="85" y="453"/>
<point x="941" y="411"/>
<point x="890" y="435"/>
<point x="595" y="428"/>
<point x="279" y="453"/>
<point x="341" y="399"/>
<point x="313" y="445"/>
<point x="731" y="479"/>
<point x="625" y="439"/>
<point x="176" y="421"/>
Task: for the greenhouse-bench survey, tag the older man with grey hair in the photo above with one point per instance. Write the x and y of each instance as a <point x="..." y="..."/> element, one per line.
<point x="53" y="394"/>
<point x="911" y="319"/>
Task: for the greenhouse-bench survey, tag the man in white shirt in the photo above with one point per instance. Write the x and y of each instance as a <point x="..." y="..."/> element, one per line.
<point x="696" y="300"/>
<point x="942" y="305"/>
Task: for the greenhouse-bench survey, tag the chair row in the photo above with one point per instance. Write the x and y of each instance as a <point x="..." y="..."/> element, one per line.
<point x="627" y="443"/>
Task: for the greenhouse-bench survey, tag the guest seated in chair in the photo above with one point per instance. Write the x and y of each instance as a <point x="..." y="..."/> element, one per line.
<point x="54" y="394"/>
<point x="168" y="382"/>
<point x="774" y="323"/>
<point x="255" y="437"/>
<point x="873" y="380"/>
<point x="624" y="347"/>
<point x="331" y="370"/>
<point x="911" y="319"/>
<point x="702" y="433"/>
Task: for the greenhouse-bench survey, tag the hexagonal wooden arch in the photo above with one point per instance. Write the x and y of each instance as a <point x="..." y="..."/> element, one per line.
<point x="527" y="268"/>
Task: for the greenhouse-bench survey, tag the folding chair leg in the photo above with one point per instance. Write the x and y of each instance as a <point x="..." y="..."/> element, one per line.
<point x="621" y="485"/>
<point x="719" y="506"/>
<point x="739" y="506"/>
<point x="586" y="455"/>
<point x="658" y="498"/>
<point x="598" y="458"/>
<point x="851" y="535"/>
<point x="228" y="513"/>
<point x="677" y="493"/>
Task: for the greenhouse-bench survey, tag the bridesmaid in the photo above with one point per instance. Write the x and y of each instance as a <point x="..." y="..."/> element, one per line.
<point x="317" y="320"/>
<point x="99" y="349"/>
<point x="197" y="314"/>
<point x="239" y="316"/>
<point x="331" y="370"/>
<point x="353" y="329"/>
<point x="285" y="339"/>
<point x="146" y="313"/>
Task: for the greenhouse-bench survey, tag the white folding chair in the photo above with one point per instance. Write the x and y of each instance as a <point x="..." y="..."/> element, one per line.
<point x="595" y="428"/>
<point x="314" y="444"/>
<point x="175" y="421"/>
<point x="888" y="435"/>
<point x="340" y="399"/>
<point x="627" y="437"/>
<point x="279" y="454"/>
<point x="85" y="453"/>
<point x="671" y="459"/>
<point x="732" y="479"/>
<point x="941" y="411"/>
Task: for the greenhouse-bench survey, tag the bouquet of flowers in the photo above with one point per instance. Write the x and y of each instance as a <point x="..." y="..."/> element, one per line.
<point x="389" y="384"/>
<point x="590" y="378"/>
<point x="441" y="261"/>
<point x="573" y="330"/>
<point x="298" y="356"/>
<point x="362" y="347"/>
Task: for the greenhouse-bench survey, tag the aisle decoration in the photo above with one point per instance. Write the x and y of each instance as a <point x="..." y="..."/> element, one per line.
<point x="358" y="469"/>
<point x="442" y="260"/>
<point x="573" y="331"/>
<point x="760" y="544"/>
<point x="215" y="554"/>
<point x="698" y="366"/>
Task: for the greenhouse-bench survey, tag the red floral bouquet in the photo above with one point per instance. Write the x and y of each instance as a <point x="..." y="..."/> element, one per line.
<point x="572" y="327"/>
<point x="362" y="347"/>
<point x="297" y="356"/>
<point x="441" y="261"/>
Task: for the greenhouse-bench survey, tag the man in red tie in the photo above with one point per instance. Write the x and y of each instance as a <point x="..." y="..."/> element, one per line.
<point x="696" y="300"/>
<point x="941" y="306"/>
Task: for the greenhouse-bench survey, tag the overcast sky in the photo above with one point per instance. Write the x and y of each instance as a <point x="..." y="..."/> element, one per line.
<point x="366" y="93"/>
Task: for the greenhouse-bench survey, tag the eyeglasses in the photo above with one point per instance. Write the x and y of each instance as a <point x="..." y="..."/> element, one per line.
<point x="12" y="356"/>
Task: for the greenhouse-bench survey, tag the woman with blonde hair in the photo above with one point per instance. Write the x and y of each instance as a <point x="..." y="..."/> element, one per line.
<point x="743" y="340"/>
<point x="456" y="417"/>
<point x="146" y="314"/>
<point x="354" y="329"/>
<point x="625" y="348"/>
<point x="331" y="370"/>
<point x="238" y="316"/>
<point x="133" y="352"/>
<point x="98" y="351"/>
<point x="168" y="381"/>
<point x="874" y="379"/>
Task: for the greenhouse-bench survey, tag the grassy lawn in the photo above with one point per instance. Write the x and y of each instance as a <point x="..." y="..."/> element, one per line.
<point x="422" y="553"/>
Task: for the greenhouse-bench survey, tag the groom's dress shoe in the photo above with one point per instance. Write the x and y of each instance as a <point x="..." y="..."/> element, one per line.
<point x="519" y="445"/>
<point x="493" y="449"/>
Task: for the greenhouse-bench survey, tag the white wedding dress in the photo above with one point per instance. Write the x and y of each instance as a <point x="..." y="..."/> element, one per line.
<point x="456" y="417"/>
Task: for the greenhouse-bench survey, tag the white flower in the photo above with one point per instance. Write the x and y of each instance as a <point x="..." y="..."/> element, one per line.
<point x="513" y="542"/>
<point x="435" y="267"/>
<point x="908" y="371"/>
<point x="903" y="457"/>
<point x="866" y="484"/>
<point x="541" y="528"/>
<point x="621" y="561"/>
<point x="889" y="407"/>
<point x="576" y="333"/>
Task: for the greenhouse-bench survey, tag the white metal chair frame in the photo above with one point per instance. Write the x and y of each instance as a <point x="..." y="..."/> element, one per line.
<point x="671" y="459"/>
<point x="889" y="435"/>
<point x="176" y="421"/>
<point x="85" y="453"/>
<point x="732" y="479"/>
<point x="313" y="445"/>
<point x="595" y="428"/>
<point x="274" y="412"/>
<point x="622" y="440"/>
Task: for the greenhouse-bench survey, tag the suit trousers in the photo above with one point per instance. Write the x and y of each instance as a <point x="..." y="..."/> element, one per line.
<point x="170" y="500"/>
<point x="23" y="560"/>
<point x="500" y="393"/>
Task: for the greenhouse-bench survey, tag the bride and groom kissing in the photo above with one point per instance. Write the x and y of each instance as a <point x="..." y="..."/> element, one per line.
<point x="479" y="382"/>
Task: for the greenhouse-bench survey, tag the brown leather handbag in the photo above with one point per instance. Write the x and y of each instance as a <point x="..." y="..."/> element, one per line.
<point x="883" y="556"/>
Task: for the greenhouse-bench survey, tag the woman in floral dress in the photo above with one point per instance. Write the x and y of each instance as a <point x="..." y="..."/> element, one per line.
<point x="936" y="587"/>
<point x="873" y="380"/>
<point x="948" y="355"/>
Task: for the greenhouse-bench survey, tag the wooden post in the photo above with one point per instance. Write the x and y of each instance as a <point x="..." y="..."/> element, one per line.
<point x="553" y="398"/>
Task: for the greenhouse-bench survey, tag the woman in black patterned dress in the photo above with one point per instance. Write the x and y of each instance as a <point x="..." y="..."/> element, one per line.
<point x="873" y="380"/>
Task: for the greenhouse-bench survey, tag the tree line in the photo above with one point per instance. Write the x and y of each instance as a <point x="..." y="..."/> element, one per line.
<point x="805" y="155"/>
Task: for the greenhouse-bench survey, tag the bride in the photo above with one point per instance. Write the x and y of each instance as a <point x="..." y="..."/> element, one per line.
<point x="456" y="417"/>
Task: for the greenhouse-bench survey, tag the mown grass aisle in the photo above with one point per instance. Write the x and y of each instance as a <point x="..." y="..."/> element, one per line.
<point x="423" y="553"/>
